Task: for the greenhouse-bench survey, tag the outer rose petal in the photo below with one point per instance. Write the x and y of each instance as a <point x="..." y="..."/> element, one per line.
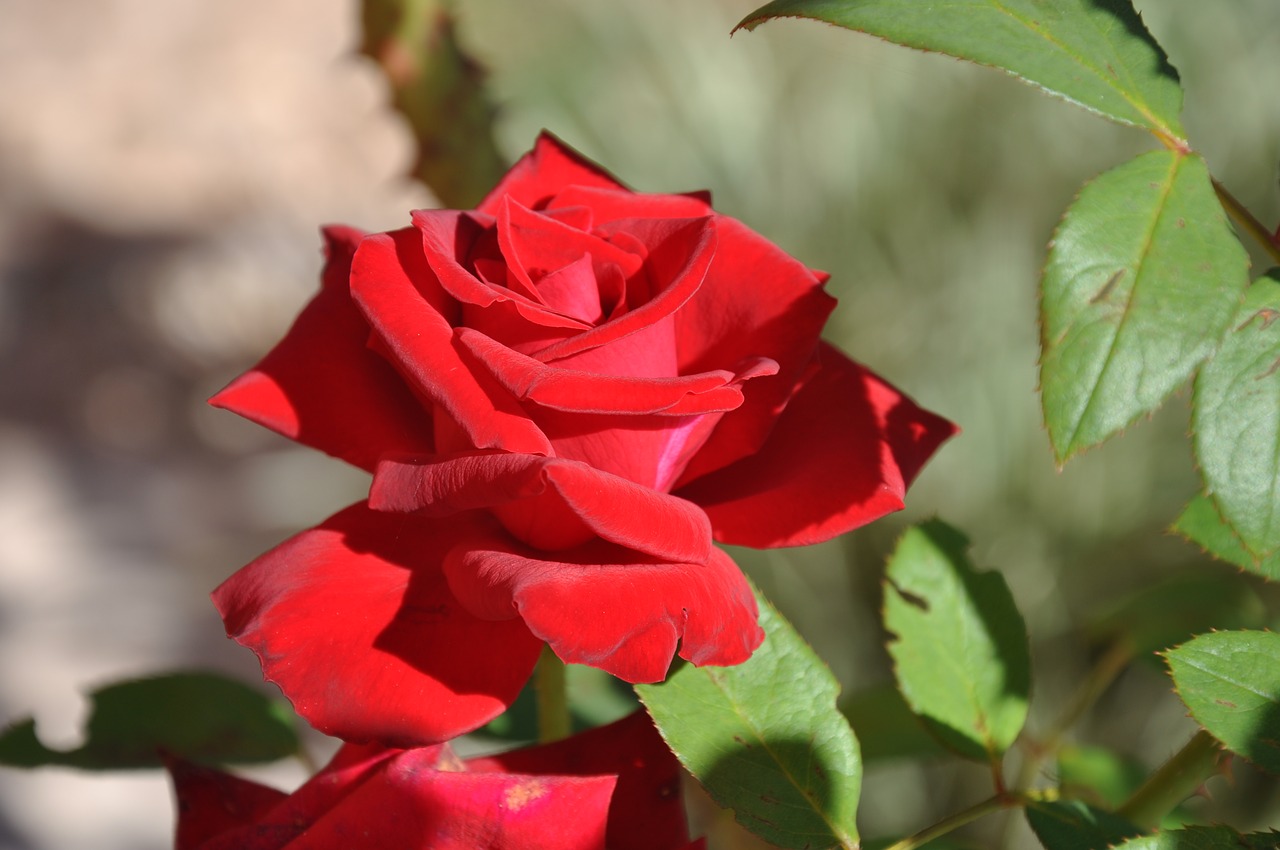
<point x="398" y="292"/>
<point x="323" y="387"/>
<point x="211" y="802"/>
<point x="841" y="455"/>
<point x="610" y="608"/>
<point x="647" y="812"/>
<point x="354" y="622"/>
<point x="547" y="502"/>
<point x="780" y="317"/>
<point x="411" y="805"/>
<point x="543" y="172"/>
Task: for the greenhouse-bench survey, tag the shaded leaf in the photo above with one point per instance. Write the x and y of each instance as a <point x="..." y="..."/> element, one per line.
<point x="1203" y="525"/>
<point x="1230" y="681"/>
<point x="440" y="91"/>
<point x="199" y="716"/>
<point x="765" y="738"/>
<point x="1075" y="825"/>
<point x="886" y="726"/>
<point x="1170" y="612"/>
<point x="960" y="650"/>
<point x="1203" y="838"/>
<point x="1098" y="775"/>
<point x="1236" y="420"/>
<point x="1096" y="53"/>
<point x="1143" y="277"/>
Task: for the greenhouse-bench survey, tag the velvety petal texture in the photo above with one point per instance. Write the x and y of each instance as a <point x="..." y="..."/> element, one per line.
<point x="617" y="784"/>
<point x="354" y="621"/>
<point x="564" y="395"/>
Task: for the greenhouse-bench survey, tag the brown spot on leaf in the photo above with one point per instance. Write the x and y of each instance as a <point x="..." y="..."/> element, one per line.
<point x="1107" y="287"/>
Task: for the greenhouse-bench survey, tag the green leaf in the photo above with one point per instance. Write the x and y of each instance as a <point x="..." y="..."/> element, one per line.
<point x="1098" y="775"/>
<point x="1170" y="612"/>
<point x="440" y="91"/>
<point x="960" y="650"/>
<point x="198" y="716"/>
<point x="1143" y="278"/>
<point x="1076" y="825"/>
<point x="1096" y="53"/>
<point x="1236" y="419"/>
<point x="1203" y="838"/>
<point x="1203" y="525"/>
<point x="886" y="726"/>
<point x="1230" y="681"/>
<point x="765" y="738"/>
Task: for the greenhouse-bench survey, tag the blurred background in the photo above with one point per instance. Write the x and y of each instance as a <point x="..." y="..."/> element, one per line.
<point x="163" y="172"/>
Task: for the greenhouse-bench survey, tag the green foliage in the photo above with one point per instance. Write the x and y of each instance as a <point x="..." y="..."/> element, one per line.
<point x="765" y="738"/>
<point x="886" y="726"/>
<point x="1096" y="54"/>
<point x="1237" y="422"/>
<point x="959" y="645"/>
<point x="198" y="716"/>
<point x="1075" y="825"/>
<point x="1203" y="838"/>
<point x="1097" y="775"/>
<point x="440" y="92"/>
<point x="1143" y="278"/>
<point x="1170" y="612"/>
<point x="1230" y="681"/>
<point x="1202" y="524"/>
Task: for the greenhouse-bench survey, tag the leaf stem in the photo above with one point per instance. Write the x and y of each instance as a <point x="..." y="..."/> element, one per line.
<point x="551" y="687"/>
<point x="1005" y="800"/>
<point x="1176" y="780"/>
<point x="1248" y="222"/>
<point x="1104" y="672"/>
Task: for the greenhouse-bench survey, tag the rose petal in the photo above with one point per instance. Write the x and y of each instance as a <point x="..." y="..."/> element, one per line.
<point x="396" y="289"/>
<point x="610" y="608"/>
<point x="543" y="173"/>
<point x="678" y="253"/>
<point x="841" y="455"/>
<point x="721" y="325"/>
<point x="609" y="392"/>
<point x="323" y="387"/>
<point x="549" y="503"/>
<point x="647" y="811"/>
<point x="610" y="204"/>
<point x="354" y="622"/>
<point x="410" y="805"/>
<point x="211" y="802"/>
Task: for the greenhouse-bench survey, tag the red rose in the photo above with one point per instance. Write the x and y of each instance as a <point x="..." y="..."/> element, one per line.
<point x="564" y="396"/>
<point x="618" y="784"/>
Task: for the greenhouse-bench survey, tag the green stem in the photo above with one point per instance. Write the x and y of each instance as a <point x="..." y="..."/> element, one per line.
<point x="553" y="698"/>
<point x="1176" y="780"/>
<point x="988" y="806"/>
<point x="1109" y="666"/>
<point x="1248" y="222"/>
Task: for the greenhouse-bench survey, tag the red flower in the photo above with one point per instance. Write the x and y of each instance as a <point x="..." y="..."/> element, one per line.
<point x="617" y="785"/>
<point x="564" y="396"/>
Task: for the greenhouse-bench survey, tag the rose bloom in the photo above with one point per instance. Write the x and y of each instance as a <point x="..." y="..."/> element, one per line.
<point x="617" y="786"/>
<point x="564" y="396"/>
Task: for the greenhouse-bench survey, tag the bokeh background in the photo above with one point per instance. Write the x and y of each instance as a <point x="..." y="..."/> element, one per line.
<point x="163" y="171"/>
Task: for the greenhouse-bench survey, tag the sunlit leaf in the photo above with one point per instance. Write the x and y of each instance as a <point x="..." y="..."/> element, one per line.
<point x="765" y="738"/>
<point x="1236" y="419"/>
<point x="198" y="716"/>
<point x="1203" y="525"/>
<point x="886" y="726"/>
<point x="1230" y="681"/>
<point x="1143" y="278"/>
<point x="959" y="645"/>
<point x="1096" y="53"/>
